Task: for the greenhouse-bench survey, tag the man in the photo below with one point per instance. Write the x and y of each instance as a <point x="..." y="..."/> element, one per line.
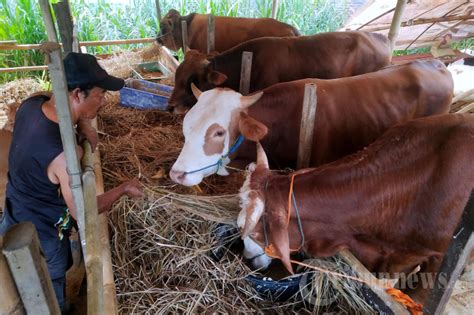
<point x="38" y="183"/>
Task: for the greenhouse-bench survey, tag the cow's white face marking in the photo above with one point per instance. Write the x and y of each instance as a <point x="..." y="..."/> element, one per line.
<point x="207" y="134"/>
<point x="251" y="248"/>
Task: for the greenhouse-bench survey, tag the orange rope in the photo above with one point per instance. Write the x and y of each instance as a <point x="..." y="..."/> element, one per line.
<point x="413" y="307"/>
<point x="290" y="193"/>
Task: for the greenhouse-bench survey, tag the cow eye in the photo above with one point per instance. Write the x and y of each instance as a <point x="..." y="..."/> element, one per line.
<point x="219" y="133"/>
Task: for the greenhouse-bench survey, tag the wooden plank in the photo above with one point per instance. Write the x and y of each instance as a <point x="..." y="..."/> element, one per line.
<point x="308" y="118"/>
<point x="89" y="43"/>
<point x="29" y="269"/>
<point x="11" y="303"/>
<point x="245" y="72"/>
<point x="211" y="33"/>
<point x="420" y="21"/>
<point x="395" y="26"/>
<point x="158" y="11"/>
<point x="374" y="284"/>
<point x="20" y="69"/>
<point x="65" y="26"/>
<point x="274" y="9"/>
<point x="184" y="30"/>
<point x="7" y="42"/>
<point x="453" y="263"/>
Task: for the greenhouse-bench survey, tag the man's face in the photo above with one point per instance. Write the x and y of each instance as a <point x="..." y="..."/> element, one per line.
<point x="91" y="103"/>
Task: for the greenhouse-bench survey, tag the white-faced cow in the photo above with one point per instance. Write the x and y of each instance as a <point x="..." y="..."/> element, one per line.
<point x="395" y="205"/>
<point x="276" y="59"/>
<point x="351" y="113"/>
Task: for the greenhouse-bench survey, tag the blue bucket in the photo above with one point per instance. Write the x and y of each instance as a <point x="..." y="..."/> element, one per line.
<point x="142" y="94"/>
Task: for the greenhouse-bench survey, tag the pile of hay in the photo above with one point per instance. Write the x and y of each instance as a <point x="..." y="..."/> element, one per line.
<point x="162" y="264"/>
<point x="160" y="246"/>
<point x="15" y="92"/>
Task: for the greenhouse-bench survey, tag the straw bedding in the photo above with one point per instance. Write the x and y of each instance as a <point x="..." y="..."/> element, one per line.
<point x="161" y="245"/>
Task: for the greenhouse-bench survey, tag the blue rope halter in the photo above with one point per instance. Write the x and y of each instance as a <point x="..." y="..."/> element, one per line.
<point x="219" y="163"/>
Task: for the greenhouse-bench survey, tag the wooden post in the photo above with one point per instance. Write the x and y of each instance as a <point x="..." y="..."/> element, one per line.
<point x="9" y="297"/>
<point x="184" y="30"/>
<point x="245" y="72"/>
<point x="308" y="117"/>
<point x="384" y="303"/>
<point x="396" y="20"/>
<point x="93" y="259"/>
<point x="63" y="109"/>
<point x="65" y="26"/>
<point x="75" y="41"/>
<point x="453" y="263"/>
<point x="29" y="269"/>
<point x="158" y="11"/>
<point x="211" y="33"/>
<point x="274" y="9"/>
<point x="110" y="294"/>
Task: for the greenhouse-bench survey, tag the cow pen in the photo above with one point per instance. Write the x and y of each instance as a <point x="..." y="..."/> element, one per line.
<point x="163" y="248"/>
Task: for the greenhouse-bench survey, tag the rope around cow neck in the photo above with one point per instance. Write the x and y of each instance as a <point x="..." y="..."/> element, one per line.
<point x="413" y="307"/>
<point x="220" y="162"/>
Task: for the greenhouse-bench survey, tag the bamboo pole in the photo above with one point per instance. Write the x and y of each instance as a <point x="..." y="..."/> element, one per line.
<point x="184" y="32"/>
<point x="158" y="11"/>
<point x="395" y="26"/>
<point x="308" y="118"/>
<point x="11" y="303"/>
<point x="93" y="259"/>
<point x="110" y="295"/>
<point x="12" y="46"/>
<point x="421" y="21"/>
<point x="29" y="269"/>
<point x="30" y="68"/>
<point x="245" y="72"/>
<point x="274" y="9"/>
<point x="65" y="26"/>
<point x="211" y="33"/>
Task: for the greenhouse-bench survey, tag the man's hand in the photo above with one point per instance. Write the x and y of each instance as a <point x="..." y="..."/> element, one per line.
<point x="133" y="188"/>
<point x="86" y="131"/>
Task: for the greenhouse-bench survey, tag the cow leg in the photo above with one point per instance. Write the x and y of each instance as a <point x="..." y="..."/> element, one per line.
<point x="256" y="254"/>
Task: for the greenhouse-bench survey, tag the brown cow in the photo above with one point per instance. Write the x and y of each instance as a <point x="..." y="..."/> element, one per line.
<point x="5" y="140"/>
<point x="324" y="56"/>
<point x="395" y="205"/>
<point x="229" y="31"/>
<point x="351" y="113"/>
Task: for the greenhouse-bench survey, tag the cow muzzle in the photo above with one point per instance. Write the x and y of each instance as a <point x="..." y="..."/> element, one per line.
<point x="184" y="178"/>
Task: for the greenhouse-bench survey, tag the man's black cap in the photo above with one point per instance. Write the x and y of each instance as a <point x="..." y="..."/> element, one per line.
<point x="83" y="70"/>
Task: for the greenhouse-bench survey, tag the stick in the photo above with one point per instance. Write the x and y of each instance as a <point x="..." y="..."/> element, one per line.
<point x="308" y="117"/>
<point x="274" y="9"/>
<point x="211" y="33"/>
<point x="184" y="30"/>
<point x="245" y="72"/>
<point x="395" y="26"/>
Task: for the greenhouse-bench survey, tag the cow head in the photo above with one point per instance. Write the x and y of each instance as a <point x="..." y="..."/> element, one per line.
<point x="170" y="31"/>
<point x="210" y="128"/>
<point x="253" y="205"/>
<point x="196" y="68"/>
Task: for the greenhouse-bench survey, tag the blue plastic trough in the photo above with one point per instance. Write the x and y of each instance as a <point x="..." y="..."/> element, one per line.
<point x="143" y="94"/>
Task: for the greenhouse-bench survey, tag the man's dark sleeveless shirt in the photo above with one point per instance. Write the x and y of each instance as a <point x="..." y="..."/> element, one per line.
<point x="31" y="196"/>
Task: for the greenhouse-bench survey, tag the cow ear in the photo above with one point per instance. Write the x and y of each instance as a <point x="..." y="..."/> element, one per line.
<point x="216" y="77"/>
<point x="196" y="91"/>
<point x="249" y="100"/>
<point x="251" y="129"/>
<point x="279" y="239"/>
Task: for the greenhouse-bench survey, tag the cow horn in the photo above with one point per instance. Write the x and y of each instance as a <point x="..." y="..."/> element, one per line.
<point x="261" y="156"/>
<point x="253" y="213"/>
<point x="197" y="92"/>
<point x="247" y="101"/>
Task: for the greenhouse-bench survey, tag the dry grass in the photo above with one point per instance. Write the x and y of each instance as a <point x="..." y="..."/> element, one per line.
<point x="160" y="249"/>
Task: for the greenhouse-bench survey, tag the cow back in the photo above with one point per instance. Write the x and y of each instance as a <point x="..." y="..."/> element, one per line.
<point x="231" y="31"/>
<point x="351" y="112"/>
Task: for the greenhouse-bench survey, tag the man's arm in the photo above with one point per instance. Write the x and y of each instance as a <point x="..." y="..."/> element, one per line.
<point x="57" y="174"/>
